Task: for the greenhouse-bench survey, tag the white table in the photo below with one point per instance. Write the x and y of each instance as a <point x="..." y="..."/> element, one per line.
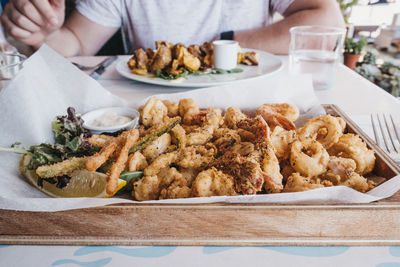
<point x="351" y="92"/>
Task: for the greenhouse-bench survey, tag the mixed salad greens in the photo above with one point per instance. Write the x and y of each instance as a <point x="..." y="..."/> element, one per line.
<point x="185" y="72"/>
<point x="70" y="140"/>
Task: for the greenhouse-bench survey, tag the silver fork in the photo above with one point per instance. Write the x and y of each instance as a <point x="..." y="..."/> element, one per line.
<point x="389" y="133"/>
<point x="85" y="67"/>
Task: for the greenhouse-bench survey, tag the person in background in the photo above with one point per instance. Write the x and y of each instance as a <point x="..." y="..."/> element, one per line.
<point x="93" y="22"/>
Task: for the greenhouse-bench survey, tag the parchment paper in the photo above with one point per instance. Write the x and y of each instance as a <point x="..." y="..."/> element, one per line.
<point x="48" y="84"/>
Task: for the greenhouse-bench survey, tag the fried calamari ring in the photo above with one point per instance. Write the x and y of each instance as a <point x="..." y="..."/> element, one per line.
<point x="351" y="146"/>
<point x="325" y="129"/>
<point x="309" y="157"/>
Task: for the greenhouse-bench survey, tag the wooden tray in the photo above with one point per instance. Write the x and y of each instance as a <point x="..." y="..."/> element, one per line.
<point x="217" y="224"/>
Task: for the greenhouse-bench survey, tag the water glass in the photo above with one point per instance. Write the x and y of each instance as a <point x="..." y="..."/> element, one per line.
<point x="10" y="64"/>
<point x="315" y="50"/>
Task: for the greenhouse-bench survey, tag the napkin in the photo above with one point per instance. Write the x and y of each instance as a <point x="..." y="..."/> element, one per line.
<point x="48" y="84"/>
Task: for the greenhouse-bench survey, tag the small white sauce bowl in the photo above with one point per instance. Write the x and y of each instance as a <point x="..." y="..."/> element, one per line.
<point x="89" y="117"/>
<point x="225" y="54"/>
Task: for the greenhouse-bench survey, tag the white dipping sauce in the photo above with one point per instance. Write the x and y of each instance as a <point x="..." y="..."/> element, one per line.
<point x="109" y="119"/>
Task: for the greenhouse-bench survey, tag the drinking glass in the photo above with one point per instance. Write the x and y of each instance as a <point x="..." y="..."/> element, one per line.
<point x="315" y="50"/>
<point x="10" y="64"/>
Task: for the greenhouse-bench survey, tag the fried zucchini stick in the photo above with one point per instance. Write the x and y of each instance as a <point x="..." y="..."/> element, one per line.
<point x="94" y="162"/>
<point x="119" y="165"/>
<point x="61" y="168"/>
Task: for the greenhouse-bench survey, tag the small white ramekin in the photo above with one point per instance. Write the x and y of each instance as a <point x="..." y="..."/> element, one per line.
<point x="225" y="54"/>
<point x="122" y="111"/>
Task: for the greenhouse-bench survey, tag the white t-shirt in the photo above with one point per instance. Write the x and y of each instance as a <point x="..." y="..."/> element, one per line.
<point x="186" y="21"/>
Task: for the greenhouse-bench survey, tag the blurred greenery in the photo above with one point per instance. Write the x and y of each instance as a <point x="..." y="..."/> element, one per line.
<point x="385" y="75"/>
<point x="351" y="46"/>
<point x="345" y="7"/>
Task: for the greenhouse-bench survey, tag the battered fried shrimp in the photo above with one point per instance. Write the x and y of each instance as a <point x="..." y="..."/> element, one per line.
<point x="248" y="175"/>
<point x="224" y="139"/>
<point x="309" y="157"/>
<point x="201" y="136"/>
<point x="168" y="175"/>
<point x="233" y="116"/>
<point x="297" y="183"/>
<point x="270" y="166"/>
<point x="204" y="134"/>
<point x="213" y="117"/>
<point x="157" y="147"/>
<point x="258" y="128"/>
<point x="94" y="162"/>
<point x="325" y="129"/>
<point x="358" y="182"/>
<point x="136" y="162"/>
<point x="146" y="188"/>
<point x="190" y="128"/>
<point x="187" y="110"/>
<point x="196" y="157"/>
<point x="351" y="146"/>
<point x="341" y="171"/>
<point x="189" y="174"/>
<point x="342" y="167"/>
<point x="173" y="108"/>
<point x="175" y="191"/>
<point x="241" y="148"/>
<point x="162" y="161"/>
<point x="119" y="165"/>
<point x="173" y="184"/>
<point x="213" y="182"/>
<point x="281" y="141"/>
<point x="153" y="112"/>
<point x="100" y="140"/>
<point x="179" y="136"/>
<point x="279" y="115"/>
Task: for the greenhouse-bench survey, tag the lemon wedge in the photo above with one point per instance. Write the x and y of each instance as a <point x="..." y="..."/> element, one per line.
<point x="83" y="183"/>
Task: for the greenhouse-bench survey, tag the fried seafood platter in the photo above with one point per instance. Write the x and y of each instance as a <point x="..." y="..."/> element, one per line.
<point x="211" y="153"/>
<point x="183" y="151"/>
<point x="174" y="61"/>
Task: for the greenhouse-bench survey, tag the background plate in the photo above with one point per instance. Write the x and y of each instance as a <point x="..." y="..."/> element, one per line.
<point x="268" y="64"/>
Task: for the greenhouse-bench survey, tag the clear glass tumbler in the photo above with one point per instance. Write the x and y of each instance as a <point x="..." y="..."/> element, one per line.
<point x="315" y="50"/>
<point x="10" y="64"/>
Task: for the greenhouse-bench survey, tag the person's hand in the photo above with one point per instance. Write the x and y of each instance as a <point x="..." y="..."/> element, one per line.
<point x="31" y="21"/>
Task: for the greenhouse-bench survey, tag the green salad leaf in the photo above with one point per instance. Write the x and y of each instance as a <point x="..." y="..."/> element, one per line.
<point x="70" y="140"/>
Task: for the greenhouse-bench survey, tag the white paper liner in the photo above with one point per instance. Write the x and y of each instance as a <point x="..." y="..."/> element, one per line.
<point x="49" y="84"/>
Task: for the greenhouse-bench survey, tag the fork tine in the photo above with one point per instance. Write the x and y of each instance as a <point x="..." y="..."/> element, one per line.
<point x="377" y="141"/>
<point x="383" y="134"/>
<point x="390" y="134"/>
<point x="395" y="128"/>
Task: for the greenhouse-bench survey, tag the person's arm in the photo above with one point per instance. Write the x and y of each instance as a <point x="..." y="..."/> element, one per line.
<point x="275" y="38"/>
<point x="79" y="36"/>
<point x="34" y="22"/>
